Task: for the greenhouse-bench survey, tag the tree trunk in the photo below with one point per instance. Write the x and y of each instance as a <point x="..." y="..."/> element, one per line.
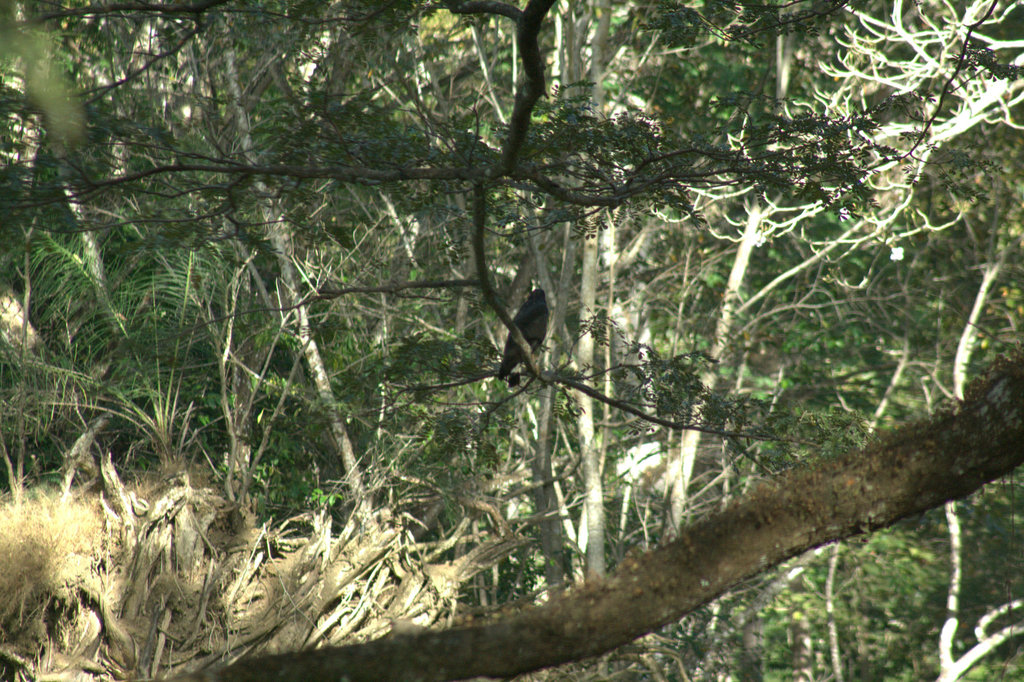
<point x="680" y="468"/>
<point x="281" y="243"/>
<point x="803" y="649"/>
<point x="593" y="501"/>
<point x="949" y="666"/>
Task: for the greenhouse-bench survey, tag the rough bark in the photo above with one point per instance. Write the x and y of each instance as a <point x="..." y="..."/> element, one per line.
<point x="903" y="473"/>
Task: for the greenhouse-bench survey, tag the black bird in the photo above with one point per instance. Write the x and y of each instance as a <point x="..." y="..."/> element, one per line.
<point x="532" y="320"/>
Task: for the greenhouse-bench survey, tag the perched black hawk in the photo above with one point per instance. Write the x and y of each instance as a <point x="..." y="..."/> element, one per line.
<point x="532" y="320"/>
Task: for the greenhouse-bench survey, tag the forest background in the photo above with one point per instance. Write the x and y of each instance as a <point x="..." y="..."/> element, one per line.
<point x="259" y="259"/>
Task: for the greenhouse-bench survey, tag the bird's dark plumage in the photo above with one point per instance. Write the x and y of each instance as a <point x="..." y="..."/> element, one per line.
<point x="532" y="320"/>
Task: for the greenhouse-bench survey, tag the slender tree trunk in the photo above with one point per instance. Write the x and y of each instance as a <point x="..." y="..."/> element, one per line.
<point x="590" y="450"/>
<point x="235" y="395"/>
<point x="546" y="498"/>
<point x="753" y="648"/>
<point x="593" y="502"/>
<point x="830" y="611"/>
<point x="681" y="462"/>
<point x="291" y="294"/>
<point x="802" y="646"/>
<point x="545" y="494"/>
<point x="968" y="338"/>
<point x="20" y="329"/>
<point x="947" y="635"/>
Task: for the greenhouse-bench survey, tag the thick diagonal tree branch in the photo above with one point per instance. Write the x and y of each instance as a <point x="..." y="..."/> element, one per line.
<point x="532" y="88"/>
<point x="479" y="201"/>
<point x="903" y="473"/>
<point x="528" y="23"/>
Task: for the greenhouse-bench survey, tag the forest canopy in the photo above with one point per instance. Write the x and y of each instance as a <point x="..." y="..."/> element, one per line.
<point x="261" y="259"/>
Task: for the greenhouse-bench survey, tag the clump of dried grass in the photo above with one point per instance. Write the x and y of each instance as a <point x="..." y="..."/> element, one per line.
<point x="47" y="548"/>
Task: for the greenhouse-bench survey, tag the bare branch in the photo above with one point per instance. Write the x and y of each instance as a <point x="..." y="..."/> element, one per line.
<point x="960" y="61"/>
<point x="326" y="293"/>
<point x="654" y="419"/>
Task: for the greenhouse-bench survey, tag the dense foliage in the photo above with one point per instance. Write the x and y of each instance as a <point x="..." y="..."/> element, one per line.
<point x="270" y="242"/>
